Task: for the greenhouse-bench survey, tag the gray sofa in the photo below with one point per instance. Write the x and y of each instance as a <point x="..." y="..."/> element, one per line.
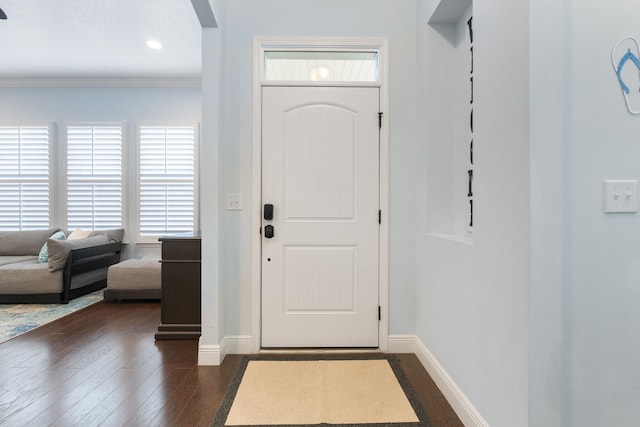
<point x="73" y="267"/>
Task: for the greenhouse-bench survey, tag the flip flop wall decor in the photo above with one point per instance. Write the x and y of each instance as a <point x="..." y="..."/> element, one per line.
<point x="625" y="58"/>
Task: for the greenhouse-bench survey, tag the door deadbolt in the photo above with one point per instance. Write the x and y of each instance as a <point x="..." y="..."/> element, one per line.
<point x="268" y="231"/>
<point x="268" y="212"/>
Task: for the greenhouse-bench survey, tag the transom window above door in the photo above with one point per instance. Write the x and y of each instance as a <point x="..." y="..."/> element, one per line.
<point x="320" y="66"/>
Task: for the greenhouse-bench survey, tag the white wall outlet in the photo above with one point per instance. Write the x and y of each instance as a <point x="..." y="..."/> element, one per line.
<point x="620" y="196"/>
<point x="234" y="202"/>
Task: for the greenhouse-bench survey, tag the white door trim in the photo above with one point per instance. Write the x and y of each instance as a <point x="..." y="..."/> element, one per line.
<point x="259" y="43"/>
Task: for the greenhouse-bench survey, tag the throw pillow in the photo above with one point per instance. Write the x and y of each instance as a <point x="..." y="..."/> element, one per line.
<point x="44" y="251"/>
<point x="80" y="234"/>
<point x="59" y="249"/>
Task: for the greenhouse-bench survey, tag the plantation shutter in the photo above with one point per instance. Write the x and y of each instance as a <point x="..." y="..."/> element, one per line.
<point x="24" y="177"/>
<point x="94" y="177"/>
<point x="166" y="179"/>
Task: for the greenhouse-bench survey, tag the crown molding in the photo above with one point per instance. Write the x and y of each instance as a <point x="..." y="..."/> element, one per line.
<point x="89" y="82"/>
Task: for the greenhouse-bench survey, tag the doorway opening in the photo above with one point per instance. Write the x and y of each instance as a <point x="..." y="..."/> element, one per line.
<point x="319" y="192"/>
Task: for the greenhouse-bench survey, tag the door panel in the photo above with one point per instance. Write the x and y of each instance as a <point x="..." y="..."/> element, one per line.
<point x="321" y="173"/>
<point x="319" y="159"/>
<point x="319" y="279"/>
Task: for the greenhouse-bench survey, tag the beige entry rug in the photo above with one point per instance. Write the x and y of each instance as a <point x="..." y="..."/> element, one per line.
<point x="308" y="390"/>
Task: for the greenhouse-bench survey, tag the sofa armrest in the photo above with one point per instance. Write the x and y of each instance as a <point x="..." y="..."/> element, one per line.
<point x="82" y="260"/>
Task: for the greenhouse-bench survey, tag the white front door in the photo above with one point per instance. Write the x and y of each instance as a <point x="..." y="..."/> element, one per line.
<point x="320" y="166"/>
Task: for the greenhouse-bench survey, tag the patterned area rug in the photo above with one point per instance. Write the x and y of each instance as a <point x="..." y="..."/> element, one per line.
<point x="16" y="319"/>
<point x="320" y="390"/>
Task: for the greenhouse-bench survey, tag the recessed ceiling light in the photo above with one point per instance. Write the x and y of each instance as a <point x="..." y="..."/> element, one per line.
<point x="154" y="44"/>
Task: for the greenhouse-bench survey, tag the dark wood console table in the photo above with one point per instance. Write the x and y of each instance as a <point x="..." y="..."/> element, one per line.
<point x="180" y="306"/>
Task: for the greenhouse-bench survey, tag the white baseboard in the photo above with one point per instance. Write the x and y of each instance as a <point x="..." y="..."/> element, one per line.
<point x="209" y="355"/>
<point x="236" y="344"/>
<point x="401" y="344"/>
<point x="213" y="355"/>
<point x="462" y="406"/>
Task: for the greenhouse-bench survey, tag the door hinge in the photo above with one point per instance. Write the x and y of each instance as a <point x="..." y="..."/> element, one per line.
<point x="379" y="217"/>
<point x="379" y="313"/>
<point x="380" y="120"/>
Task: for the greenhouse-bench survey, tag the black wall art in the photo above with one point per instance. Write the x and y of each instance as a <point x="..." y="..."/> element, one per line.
<point x="470" y="170"/>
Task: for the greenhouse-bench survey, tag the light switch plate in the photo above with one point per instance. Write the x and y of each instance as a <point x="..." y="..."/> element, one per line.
<point x="234" y="202"/>
<point x="620" y="196"/>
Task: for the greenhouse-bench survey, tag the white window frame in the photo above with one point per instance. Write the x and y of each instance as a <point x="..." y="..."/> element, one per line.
<point x="63" y="153"/>
<point x="153" y="239"/>
<point x="319" y="59"/>
<point x="51" y="162"/>
<point x="318" y="44"/>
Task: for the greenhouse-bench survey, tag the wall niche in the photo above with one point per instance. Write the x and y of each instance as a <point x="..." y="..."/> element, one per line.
<point x="449" y="121"/>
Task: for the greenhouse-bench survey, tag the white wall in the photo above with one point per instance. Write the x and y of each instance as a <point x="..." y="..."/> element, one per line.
<point x="602" y="308"/>
<point x="584" y="270"/>
<point x="244" y="19"/>
<point x="60" y="105"/>
<point x="472" y="297"/>
<point x="213" y="308"/>
<point x="128" y="104"/>
<point x="550" y="236"/>
<point x="584" y="290"/>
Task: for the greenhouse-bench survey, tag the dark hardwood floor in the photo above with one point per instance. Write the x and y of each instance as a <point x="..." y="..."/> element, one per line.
<point x="102" y="366"/>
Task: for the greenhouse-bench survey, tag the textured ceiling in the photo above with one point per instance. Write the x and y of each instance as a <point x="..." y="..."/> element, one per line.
<point x="99" y="39"/>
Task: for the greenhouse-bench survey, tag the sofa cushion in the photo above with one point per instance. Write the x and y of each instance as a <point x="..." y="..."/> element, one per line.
<point x="29" y="277"/>
<point x="14" y="259"/>
<point x="134" y="274"/>
<point x="59" y="249"/>
<point x="25" y="242"/>
<point x="44" y="251"/>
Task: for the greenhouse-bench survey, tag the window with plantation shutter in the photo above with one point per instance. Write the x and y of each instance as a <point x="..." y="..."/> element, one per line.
<point x="24" y="177"/>
<point x="94" y="176"/>
<point x="167" y="179"/>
